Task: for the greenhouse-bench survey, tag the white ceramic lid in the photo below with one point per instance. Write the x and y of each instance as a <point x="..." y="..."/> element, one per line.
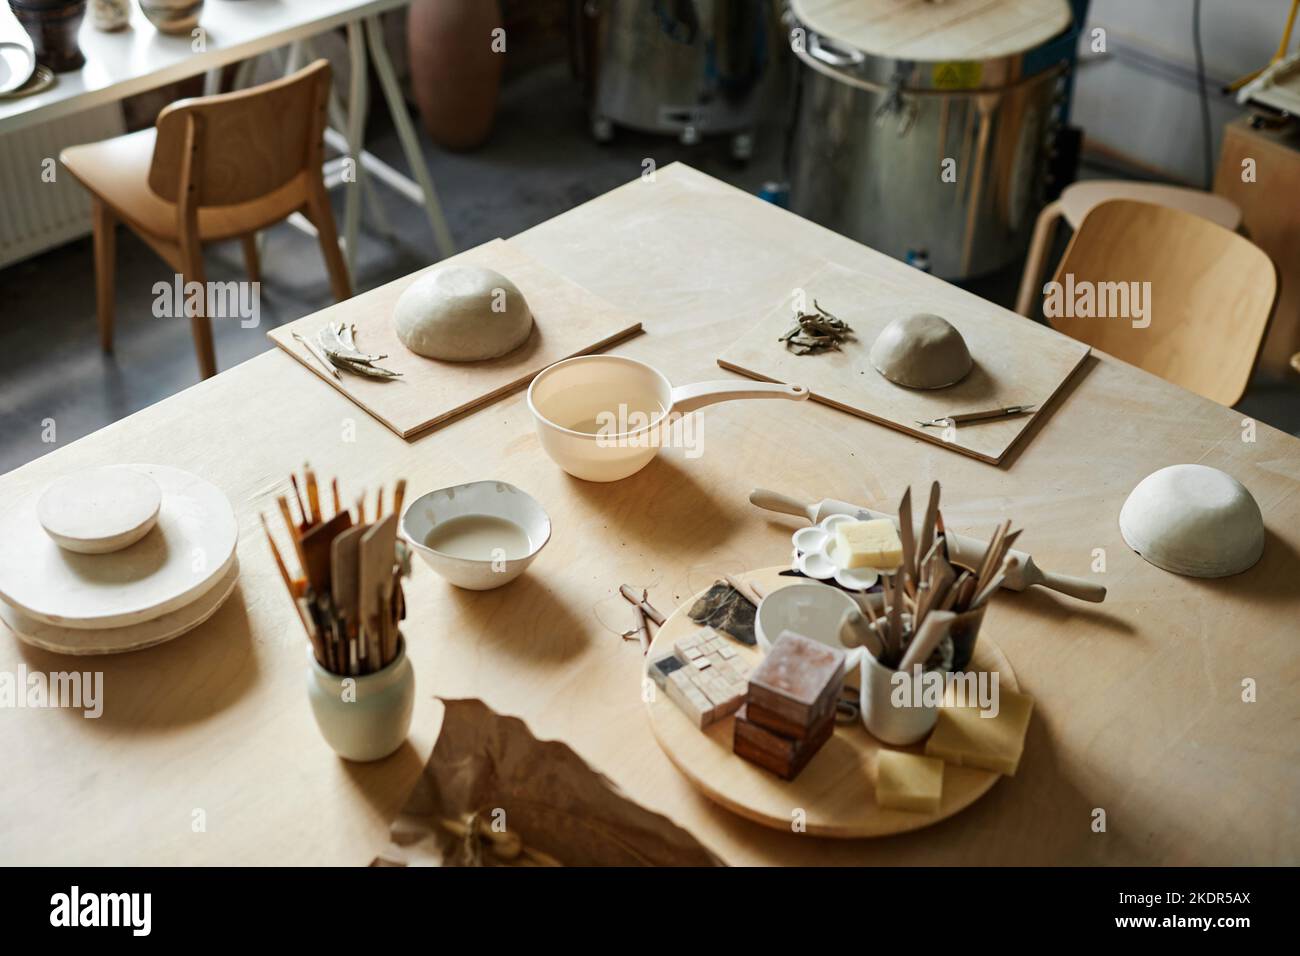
<point x="1193" y="520"/>
<point x="187" y="552"/>
<point x="99" y="509"/>
<point x="933" y="31"/>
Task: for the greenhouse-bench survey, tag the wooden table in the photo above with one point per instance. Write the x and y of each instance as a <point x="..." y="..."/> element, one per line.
<point x="1140" y="709"/>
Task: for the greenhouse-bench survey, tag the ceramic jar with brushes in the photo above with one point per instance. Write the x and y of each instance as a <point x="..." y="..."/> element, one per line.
<point x="916" y="628"/>
<point x="348" y="595"/>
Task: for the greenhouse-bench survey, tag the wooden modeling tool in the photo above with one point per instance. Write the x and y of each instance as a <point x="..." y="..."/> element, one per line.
<point x="988" y="415"/>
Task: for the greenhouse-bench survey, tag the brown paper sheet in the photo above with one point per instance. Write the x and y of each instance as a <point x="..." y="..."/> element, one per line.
<point x="540" y="791"/>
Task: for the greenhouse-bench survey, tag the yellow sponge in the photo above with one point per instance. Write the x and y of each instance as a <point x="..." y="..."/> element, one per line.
<point x="965" y="739"/>
<point x="868" y="544"/>
<point x="908" y="781"/>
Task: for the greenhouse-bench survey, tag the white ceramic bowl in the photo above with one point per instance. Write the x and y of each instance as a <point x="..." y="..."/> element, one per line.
<point x="496" y="499"/>
<point x="1193" y="520"/>
<point x="813" y="610"/>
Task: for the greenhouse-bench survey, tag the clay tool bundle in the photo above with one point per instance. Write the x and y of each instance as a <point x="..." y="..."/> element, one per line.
<point x="347" y="586"/>
<point x="963" y="550"/>
<point x="642" y="613"/>
<point x="927" y="593"/>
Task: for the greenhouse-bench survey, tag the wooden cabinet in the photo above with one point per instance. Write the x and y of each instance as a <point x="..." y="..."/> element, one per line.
<point x="1268" y="192"/>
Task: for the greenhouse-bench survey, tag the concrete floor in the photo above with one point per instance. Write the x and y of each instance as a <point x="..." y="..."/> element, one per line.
<point x="540" y="162"/>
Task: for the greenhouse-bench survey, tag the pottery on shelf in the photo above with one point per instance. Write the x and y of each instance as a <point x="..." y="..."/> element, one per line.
<point x="110" y="15"/>
<point x="172" y="16"/>
<point x="456" y="68"/>
<point x="53" y="27"/>
<point x="921" y="351"/>
<point x="1193" y="520"/>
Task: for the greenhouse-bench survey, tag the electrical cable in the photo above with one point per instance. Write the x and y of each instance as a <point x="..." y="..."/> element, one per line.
<point x="1206" y="136"/>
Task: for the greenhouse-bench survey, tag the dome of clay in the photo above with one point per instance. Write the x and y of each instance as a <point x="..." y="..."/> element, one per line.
<point x="921" y="351"/>
<point x="1194" y="520"/>
<point x="462" y="314"/>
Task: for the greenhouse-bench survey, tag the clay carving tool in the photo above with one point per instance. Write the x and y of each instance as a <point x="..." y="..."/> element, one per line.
<point x="376" y="586"/>
<point x="399" y="495"/>
<point x="345" y="577"/>
<point x="316" y="545"/>
<point x="988" y="415"/>
<point x="927" y="638"/>
<point x="963" y="549"/>
<point x="313" y="494"/>
<point x="315" y="353"/>
<point x="648" y="609"/>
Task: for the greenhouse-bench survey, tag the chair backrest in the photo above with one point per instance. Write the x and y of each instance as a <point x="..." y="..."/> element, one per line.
<point x="1167" y="291"/>
<point x="246" y="144"/>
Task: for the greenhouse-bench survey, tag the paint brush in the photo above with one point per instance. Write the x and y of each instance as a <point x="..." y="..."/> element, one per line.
<point x="399" y="495"/>
<point x="297" y="497"/>
<point x="313" y="493"/>
<point x="334" y="489"/>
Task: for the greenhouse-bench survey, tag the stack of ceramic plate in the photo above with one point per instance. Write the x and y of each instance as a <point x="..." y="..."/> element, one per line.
<point x="116" y="559"/>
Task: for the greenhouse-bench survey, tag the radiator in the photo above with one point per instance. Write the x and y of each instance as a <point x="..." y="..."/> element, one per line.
<point x="36" y="215"/>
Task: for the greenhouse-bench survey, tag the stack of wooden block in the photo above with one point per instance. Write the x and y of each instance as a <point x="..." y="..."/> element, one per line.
<point x="704" y="677"/>
<point x="789" y="709"/>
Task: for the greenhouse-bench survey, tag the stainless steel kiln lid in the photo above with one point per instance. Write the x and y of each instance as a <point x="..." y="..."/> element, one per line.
<point x="921" y="45"/>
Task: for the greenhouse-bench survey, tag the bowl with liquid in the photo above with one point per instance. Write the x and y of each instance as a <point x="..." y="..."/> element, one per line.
<point x="604" y="417"/>
<point x="479" y="535"/>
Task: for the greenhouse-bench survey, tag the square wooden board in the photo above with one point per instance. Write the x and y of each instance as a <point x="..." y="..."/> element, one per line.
<point x="1017" y="362"/>
<point x="568" y="320"/>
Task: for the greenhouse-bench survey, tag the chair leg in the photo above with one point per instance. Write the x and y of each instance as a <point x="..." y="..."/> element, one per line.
<point x="200" y="323"/>
<point x="322" y="217"/>
<point x="105" y="230"/>
<point x="1044" y="231"/>
<point x="251" y="263"/>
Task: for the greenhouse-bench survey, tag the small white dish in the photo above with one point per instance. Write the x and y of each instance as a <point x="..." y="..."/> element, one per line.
<point x="17" y="63"/>
<point x="99" y="510"/>
<point x="814" y="556"/>
<point x="814" y="610"/>
<point x="476" y="511"/>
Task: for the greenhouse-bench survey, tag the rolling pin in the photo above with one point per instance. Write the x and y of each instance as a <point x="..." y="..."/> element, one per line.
<point x="962" y="549"/>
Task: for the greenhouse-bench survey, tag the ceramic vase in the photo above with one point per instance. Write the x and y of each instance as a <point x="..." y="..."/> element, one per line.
<point x="172" y="16"/>
<point x="53" y="26"/>
<point x="455" y="70"/>
<point x="110" y="15"/>
<point x="367" y="717"/>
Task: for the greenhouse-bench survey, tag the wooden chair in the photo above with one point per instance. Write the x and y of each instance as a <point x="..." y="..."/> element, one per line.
<point x="213" y="168"/>
<point x="1212" y="294"/>
<point x="1079" y="199"/>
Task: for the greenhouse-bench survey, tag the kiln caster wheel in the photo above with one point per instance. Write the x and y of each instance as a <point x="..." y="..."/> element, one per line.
<point x="742" y="147"/>
<point x="602" y="129"/>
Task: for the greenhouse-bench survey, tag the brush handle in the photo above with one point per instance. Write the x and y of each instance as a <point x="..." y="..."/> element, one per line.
<point x="782" y="504"/>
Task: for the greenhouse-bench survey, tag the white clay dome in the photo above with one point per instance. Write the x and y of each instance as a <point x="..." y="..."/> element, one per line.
<point x="1194" y="520"/>
<point x="921" y="351"/>
<point x="462" y="314"/>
